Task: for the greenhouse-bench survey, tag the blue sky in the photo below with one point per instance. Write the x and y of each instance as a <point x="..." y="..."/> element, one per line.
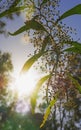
<point x="73" y="21"/>
<point x="15" y="45"/>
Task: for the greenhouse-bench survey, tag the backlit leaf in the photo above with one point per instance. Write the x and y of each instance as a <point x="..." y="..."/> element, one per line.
<point x="48" y="110"/>
<point x="31" y="61"/>
<point x="72" y="11"/>
<point x="12" y="10"/>
<point x="32" y="24"/>
<point x="75" y="82"/>
<point x="73" y="49"/>
<point x="36" y="90"/>
<point x="15" y="3"/>
<point x="74" y="43"/>
<point x="79" y="78"/>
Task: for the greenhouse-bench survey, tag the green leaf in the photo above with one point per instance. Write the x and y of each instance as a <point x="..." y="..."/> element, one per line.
<point x="45" y="42"/>
<point x="73" y="49"/>
<point x="32" y="24"/>
<point x="34" y="95"/>
<point x="12" y="10"/>
<point x="48" y="110"/>
<point x="79" y="78"/>
<point x="15" y="3"/>
<point x="76" y="83"/>
<point x="34" y="58"/>
<point x="76" y="44"/>
<point x="72" y="11"/>
<point x="44" y="2"/>
<point x="31" y="61"/>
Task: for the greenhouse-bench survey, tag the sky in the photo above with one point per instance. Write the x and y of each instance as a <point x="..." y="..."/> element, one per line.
<point x="20" y="50"/>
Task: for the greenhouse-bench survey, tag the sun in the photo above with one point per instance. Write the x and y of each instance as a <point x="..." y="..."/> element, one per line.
<point x="22" y="88"/>
<point x="25" y="83"/>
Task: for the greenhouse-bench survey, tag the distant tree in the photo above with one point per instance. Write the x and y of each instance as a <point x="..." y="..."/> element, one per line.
<point x="5" y="69"/>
